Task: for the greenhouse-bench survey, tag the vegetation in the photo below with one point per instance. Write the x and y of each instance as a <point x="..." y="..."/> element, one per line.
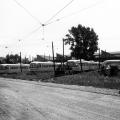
<point x="14" y="59"/>
<point x="83" y="41"/>
<point x="92" y="78"/>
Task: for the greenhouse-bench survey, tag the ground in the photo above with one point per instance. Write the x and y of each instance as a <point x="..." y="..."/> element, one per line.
<point x="30" y="100"/>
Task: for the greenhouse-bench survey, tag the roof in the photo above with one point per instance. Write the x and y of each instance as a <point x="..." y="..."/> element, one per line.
<point x="111" y="62"/>
<point x="41" y="62"/>
<point x="110" y="54"/>
<point x="43" y="58"/>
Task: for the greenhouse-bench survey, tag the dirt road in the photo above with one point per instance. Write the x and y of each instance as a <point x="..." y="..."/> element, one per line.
<point x="21" y="100"/>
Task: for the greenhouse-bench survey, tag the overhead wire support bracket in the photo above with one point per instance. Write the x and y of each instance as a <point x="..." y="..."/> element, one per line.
<point x="43" y="25"/>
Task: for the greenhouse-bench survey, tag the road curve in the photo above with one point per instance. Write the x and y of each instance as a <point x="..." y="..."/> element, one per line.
<point x="20" y="100"/>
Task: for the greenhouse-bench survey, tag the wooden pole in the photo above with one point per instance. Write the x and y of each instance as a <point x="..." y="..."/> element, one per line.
<point x="81" y="64"/>
<point x="99" y="58"/>
<point x="53" y="58"/>
<point x="20" y="63"/>
<point x="63" y="54"/>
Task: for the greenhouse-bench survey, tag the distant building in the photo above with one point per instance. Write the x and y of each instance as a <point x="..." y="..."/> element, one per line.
<point x="58" y="58"/>
<point x="43" y="58"/>
<point x="107" y="55"/>
<point x="116" y="54"/>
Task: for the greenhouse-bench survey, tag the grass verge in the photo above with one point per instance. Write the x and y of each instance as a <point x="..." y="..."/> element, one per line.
<point x="92" y="78"/>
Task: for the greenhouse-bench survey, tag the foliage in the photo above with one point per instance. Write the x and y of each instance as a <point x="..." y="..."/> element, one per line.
<point x="92" y="78"/>
<point x="13" y="59"/>
<point x="83" y="41"/>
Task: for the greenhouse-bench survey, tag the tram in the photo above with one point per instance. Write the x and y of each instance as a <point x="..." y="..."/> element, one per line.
<point x="13" y="68"/>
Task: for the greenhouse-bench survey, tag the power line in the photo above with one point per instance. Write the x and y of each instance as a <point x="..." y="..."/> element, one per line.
<point x="32" y="32"/>
<point x="59" y="11"/>
<point x="42" y="25"/>
<point x="77" y="12"/>
<point x="28" y="12"/>
<point x="47" y="23"/>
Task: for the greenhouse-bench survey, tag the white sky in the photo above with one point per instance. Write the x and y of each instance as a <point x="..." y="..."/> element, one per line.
<point x="15" y="23"/>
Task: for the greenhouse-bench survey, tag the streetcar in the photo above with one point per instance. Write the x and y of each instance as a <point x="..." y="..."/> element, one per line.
<point x="86" y="65"/>
<point x="37" y="66"/>
<point x="13" y="68"/>
<point x="110" y="67"/>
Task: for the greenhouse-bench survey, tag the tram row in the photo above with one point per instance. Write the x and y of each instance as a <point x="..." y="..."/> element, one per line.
<point x="69" y="67"/>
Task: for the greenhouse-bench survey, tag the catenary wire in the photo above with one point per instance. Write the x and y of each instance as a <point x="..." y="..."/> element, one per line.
<point x="27" y="11"/>
<point x="47" y="23"/>
<point x="77" y="12"/>
<point x="74" y="13"/>
<point x="32" y="32"/>
<point x="59" y="11"/>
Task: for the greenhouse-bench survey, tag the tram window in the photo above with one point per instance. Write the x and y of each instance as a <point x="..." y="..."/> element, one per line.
<point x="49" y="65"/>
<point x="39" y="65"/>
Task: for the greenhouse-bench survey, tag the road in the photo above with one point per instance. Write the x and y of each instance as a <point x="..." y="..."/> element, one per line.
<point x="25" y="100"/>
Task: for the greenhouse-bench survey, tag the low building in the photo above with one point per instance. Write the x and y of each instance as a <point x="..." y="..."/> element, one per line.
<point x="43" y="58"/>
<point x="107" y="55"/>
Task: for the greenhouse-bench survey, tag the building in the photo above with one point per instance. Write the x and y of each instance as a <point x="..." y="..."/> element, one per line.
<point x="107" y="55"/>
<point x="43" y="58"/>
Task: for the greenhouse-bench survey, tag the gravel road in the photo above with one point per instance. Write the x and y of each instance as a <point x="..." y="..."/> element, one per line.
<point x="21" y="100"/>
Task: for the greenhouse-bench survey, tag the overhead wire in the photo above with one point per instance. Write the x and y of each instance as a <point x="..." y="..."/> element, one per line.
<point x="32" y="17"/>
<point x="59" y="11"/>
<point x="32" y="32"/>
<point x="47" y="22"/>
<point x="27" y="11"/>
<point x="42" y="25"/>
<point x="76" y="12"/>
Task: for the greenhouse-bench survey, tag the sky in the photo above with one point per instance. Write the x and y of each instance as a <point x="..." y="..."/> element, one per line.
<point x="22" y="24"/>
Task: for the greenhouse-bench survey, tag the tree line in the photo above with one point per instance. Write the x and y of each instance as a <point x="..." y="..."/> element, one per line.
<point x="14" y="59"/>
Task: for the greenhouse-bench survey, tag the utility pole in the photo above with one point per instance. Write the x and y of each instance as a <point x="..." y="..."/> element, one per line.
<point x="99" y="58"/>
<point x="53" y="58"/>
<point x="63" y="54"/>
<point x="20" y="58"/>
<point x="20" y="63"/>
<point x="81" y="64"/>
<point x="80" y="55"/>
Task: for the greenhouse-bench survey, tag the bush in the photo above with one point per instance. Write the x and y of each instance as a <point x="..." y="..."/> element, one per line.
<point x="114" y="70"/>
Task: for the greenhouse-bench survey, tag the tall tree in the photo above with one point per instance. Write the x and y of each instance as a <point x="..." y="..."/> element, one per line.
<point x="83" y="42"/>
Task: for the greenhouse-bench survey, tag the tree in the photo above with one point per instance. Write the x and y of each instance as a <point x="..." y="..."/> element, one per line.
<point x="83" y="42"/>
<point x="13" y="59"/>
